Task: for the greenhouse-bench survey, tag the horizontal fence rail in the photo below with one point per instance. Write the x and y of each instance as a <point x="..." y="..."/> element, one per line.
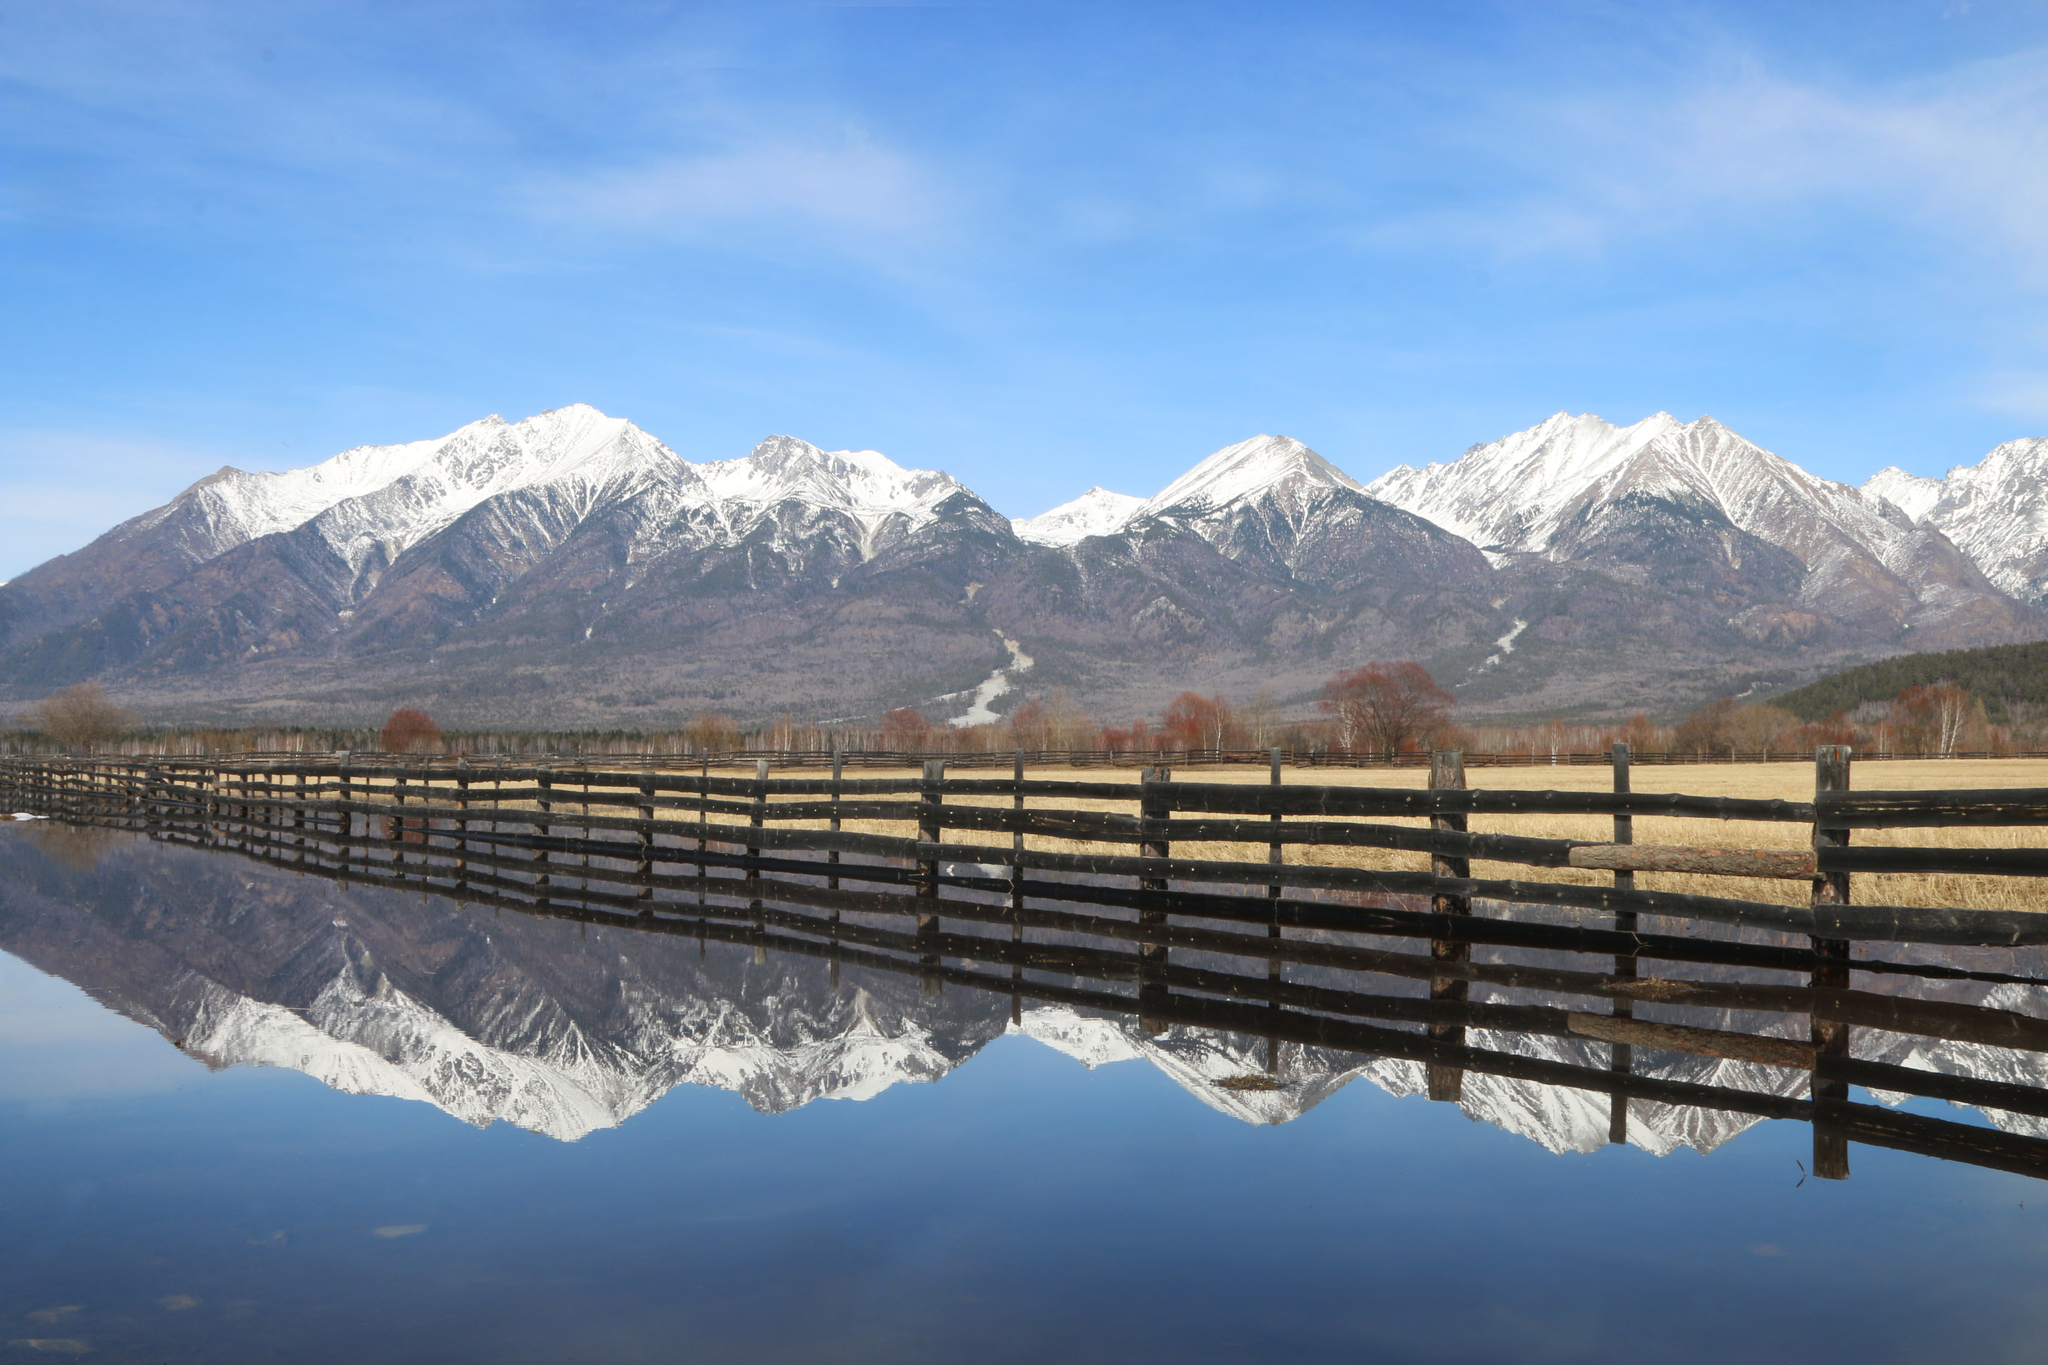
<point x="1211" y="959"/>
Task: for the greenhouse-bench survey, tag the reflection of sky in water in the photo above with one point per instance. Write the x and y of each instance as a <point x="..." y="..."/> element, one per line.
<point x="1023" y="1208"/>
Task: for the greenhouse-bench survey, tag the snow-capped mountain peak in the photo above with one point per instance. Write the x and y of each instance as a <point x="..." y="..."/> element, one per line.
<point x="372" y="503"/>
<point x="1996" y="511"/>
<point x="1098" y="512"/>
<point x="1521" y="492"/>
<point x="864" y="484"/>
<point x="1247" y="468"/>
<point x="1514" y="493"/>
<point x="1913" y="494"/>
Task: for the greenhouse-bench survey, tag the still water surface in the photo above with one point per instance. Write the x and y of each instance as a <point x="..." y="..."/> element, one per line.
<point x="252" y="1116"/>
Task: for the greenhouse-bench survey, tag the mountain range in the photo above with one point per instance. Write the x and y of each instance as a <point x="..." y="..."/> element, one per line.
<point x="571" y="570"/>
<point x="542" y="1025"/>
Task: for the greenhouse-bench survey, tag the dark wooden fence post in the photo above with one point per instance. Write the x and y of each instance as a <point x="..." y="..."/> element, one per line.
<point x="1275" y="854"/>
<point x="756" y="818"/>
<point x="1447" y="773"/>
<point x="346" y="821"/>
<point x="931" y="798"/>
<point x="462" y="829"/>
<point x="1620" y="1056"/>
<point x="1017" y="883"/>
<point x="930" y="831"/>
<point x="544" y="780"/>
<point x="703" y="822"/>
<point x="646" y="893"/>
<point x="838" y="781"/>
<point x="1830" y="1039"/>
<point x="1153" y="813"/>
<point x="832" y="855"/>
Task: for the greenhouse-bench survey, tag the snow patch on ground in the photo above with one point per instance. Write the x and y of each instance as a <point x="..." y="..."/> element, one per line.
<point x="981" y="710"/>
<point x="1505" y="645"/>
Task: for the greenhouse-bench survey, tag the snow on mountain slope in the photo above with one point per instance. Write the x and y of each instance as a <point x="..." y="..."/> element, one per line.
<point x="865" y="485"/>
<point x="577" y="452"/>
<point x="1263" y="465"/>
<point x="1913" y="494"/>
<point x="1250" y="467"/>
<point x="1098" y="512"/>
<point x="1520" y="492"/>
<point x="373" y="503"/>
<point x="1563" y="487"/>
<point x="1996" y="511"/>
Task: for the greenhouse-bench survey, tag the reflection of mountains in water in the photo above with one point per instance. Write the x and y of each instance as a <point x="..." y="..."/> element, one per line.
<point x="562" y="1030"/>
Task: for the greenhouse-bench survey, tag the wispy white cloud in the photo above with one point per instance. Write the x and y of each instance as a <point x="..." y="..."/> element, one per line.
<point x="1748" y="151"/>
<point x="2019" y="394"/>
<point x="842" y="191"/>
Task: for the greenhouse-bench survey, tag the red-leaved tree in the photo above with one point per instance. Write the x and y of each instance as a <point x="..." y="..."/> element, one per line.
<point x="1195" y="722"/>
<point x="903" y="729"/>
<point x="1931" y="719"/>
<point x="1385" y="708"/>
<point x="410" y="731"/>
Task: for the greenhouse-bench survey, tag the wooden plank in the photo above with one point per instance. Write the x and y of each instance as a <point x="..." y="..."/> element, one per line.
<point x="1361" y="801"/>
<point x="1983" y="862"/>
<point x="1841" y="1122"/>
<point x="1703" y="1042"/>
<point x="1902" y="809"/>
<point x="1784" y="864"/>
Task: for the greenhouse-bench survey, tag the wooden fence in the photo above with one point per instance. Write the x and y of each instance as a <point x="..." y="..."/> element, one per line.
<point x="760" y="818"/>
<point x="1127" y="933"/>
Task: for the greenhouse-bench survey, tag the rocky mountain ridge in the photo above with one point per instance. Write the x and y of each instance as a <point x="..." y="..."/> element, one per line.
<point x="1996" y="511"/>
<point x="569" y="569"/>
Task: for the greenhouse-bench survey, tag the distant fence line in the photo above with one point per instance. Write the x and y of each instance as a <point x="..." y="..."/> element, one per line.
<point x="576" y="752"/>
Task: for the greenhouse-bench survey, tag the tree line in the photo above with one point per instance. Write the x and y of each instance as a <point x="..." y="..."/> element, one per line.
<point x="1380" y="710"/>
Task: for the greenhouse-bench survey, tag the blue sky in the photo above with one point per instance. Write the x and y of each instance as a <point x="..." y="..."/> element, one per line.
<point x="1040" y="246"/>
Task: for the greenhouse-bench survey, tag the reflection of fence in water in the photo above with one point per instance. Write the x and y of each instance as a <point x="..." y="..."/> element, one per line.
<point x="1055" y="937"/>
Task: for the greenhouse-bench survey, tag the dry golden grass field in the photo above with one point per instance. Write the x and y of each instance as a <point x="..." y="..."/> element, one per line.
<point x="1790" y="781"/>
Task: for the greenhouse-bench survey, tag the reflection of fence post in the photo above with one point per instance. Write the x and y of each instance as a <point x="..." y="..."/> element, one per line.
<point x="1830" y="1038"/>
<point x="1620" y="1056"/>
<point x="1447" y="773"/>
<point x="1153" y="813"/>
